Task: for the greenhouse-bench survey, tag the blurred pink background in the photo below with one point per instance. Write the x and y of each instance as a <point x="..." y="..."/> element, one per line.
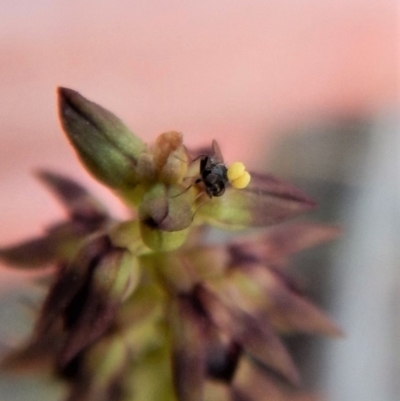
<point x="238" y="71"/>
<point x="242" y="72"/>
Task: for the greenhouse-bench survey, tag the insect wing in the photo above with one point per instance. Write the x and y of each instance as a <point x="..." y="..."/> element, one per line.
<point x="217" y="152"/>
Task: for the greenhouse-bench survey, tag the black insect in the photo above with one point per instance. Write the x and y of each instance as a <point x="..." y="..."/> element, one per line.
<point x="213" y="172"/>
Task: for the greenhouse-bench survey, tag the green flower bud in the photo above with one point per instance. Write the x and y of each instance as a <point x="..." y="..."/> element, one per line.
<point x="127" y="235"/>
<point x="103" y="143"/>
<point x="117" y="274"/>
<point x="166" y="208"/>
<point x="165" y="215"/>
<point x="162" y="241"/>
<point x="114" y="277"/>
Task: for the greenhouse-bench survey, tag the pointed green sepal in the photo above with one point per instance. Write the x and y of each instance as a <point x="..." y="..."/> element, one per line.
<point x="267" y="200"/>
<point x="104" y="144"/>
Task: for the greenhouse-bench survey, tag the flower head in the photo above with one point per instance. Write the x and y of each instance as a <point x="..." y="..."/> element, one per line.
<point x="146" y="301"/>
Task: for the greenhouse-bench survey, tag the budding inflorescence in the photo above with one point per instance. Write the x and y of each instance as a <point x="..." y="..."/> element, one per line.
<point x="145" y="300"/>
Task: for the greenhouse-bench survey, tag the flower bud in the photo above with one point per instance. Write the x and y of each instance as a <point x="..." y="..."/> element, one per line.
<point x="165" y="214"/>
<point x="113" y="278"/>
<point x="117" y="274"/>
<point x="162" y="241"/>
<point x="103" y="143"/>
<point x="166" y="208"/>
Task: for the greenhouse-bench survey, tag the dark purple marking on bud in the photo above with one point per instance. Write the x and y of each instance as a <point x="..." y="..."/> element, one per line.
<point x="223" y="360"/>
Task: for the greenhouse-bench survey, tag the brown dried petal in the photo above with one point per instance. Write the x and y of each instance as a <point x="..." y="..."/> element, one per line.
<point x="164" y="145"/>
<point x="170" y="157"/>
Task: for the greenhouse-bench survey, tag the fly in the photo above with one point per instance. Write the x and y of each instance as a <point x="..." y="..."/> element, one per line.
<point x="213" y="172"/>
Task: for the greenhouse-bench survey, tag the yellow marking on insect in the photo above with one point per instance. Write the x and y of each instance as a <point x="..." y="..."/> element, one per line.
<point x="238" y="177"/>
